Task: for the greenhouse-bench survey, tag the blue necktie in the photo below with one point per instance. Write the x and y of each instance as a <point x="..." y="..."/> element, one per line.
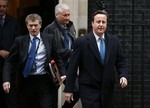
<point x="102" y="49"/>
<point x="30" y="59"/>
<point x="66" y="39"/>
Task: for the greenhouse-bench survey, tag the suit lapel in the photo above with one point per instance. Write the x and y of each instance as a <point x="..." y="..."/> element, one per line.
<point x="46" y="44"/>
<point x="93" y="45"/>
<point x="108" y="47"/>
<point x="26" y="43"/>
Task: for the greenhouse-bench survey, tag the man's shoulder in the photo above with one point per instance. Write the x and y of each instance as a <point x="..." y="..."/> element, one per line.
<point x="112" y="37"/>
<point x="51" y="25"/>
<point x="10" y="18"/>
<point x="81" y="39"/>
<point x="22" y="36"/>
<point x="47" y="35"/>
<point x="50" y="28"/>
<point x="11" y="21"/>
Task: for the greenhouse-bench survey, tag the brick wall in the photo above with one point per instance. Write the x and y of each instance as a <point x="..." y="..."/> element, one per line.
<point x="131" y="23"/>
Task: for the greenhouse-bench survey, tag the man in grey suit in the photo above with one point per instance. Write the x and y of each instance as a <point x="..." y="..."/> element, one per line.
<point x="35" y="84"/>
<point x="96" y="71"/>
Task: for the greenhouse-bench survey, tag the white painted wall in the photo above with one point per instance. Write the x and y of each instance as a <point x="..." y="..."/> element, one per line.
<point x="79" y="15"/>
<point x="78" y="12"/>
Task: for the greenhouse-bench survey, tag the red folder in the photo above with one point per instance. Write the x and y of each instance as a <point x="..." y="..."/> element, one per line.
<point x="55" y="73"/>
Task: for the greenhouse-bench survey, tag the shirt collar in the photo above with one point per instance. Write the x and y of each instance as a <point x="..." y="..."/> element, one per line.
<point x="3" y="17"/>
<point x="97" y="37"/>
<point x="38" y="36"/>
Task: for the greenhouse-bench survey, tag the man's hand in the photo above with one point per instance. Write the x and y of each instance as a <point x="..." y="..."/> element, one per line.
<point x="6" y="87"/>
<point x="4" y="53"/>
<point x="123" y="82"/>
<point x="69" y="97"/>
<point x="63" y="77"/>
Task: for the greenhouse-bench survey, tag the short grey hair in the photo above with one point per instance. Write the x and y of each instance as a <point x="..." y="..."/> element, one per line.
<point x="33" y="17"/>
<point x="59" y="7"/>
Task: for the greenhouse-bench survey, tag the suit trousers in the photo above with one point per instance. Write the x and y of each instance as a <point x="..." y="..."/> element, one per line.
<point x="93" y="97"/>
<point x="37" y="92"/>
<point x="8" y="100"/>
<point x="11" y="98"/>
<point x="2" y="93"/>
<point x="90" y="96"/>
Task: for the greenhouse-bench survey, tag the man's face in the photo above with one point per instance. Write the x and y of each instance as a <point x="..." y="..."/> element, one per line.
<point x="99" y="24"/>
<point x="3" y="7"/>
<point x="34" y="27"/>
<point x="63" y="17"/>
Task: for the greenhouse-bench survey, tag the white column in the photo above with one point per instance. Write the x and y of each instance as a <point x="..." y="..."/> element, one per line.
<point x="79" y="13"/>
<point x="79" y="16"/>
<point x="73" y="4"/>
<point x="83" y="15"/>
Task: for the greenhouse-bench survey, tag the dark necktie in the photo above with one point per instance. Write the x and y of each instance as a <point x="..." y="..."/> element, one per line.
<point x="1" y="22"/>
<point x="30" y="59"/>
<point x="66" y="39"/>
<point x="102" y="49"/>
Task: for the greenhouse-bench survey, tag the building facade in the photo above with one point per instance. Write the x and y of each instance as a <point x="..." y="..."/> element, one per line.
<point x="128" y="19"/>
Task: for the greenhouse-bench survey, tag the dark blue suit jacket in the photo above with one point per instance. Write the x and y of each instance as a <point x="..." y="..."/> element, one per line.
<point x="8" y="32"/>
<point x="92" y="74"/>
<point x="19" y="51"/>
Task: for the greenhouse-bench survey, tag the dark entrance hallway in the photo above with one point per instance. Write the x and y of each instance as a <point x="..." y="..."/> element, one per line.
<point x="45" y="8"/>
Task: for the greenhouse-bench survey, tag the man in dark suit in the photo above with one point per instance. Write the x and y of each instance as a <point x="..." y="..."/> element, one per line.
<point x="96" y="72"/>
<point x="59" y="27"/>
<point x="9" y="29"/>
<point x="34" y="84"/>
